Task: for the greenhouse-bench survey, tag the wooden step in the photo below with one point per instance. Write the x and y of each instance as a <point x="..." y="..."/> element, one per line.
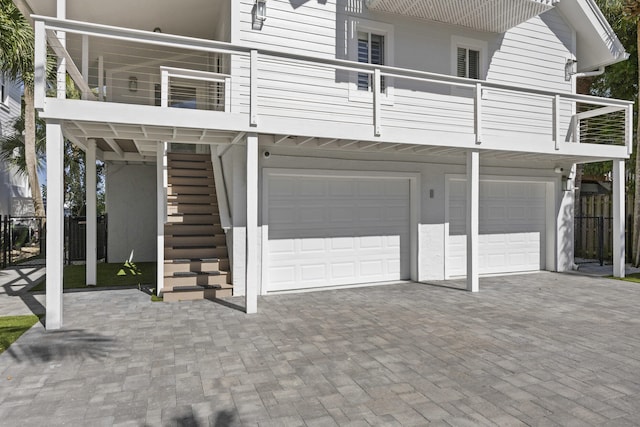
<point x="189" y="208"/>
<point x="186" y="172"/>
<point x="173" y="189"/>
<point x="202" y="219"/>
<point x="180" y="229"/>
<point x="190" y="240"/>
<point x="195" y="252"/>
<point x="196" y="264"/>
<point x="189" y="156"/>
<point x="216" y="278"/>
<point x="191" y="180"/>
<point x="191" y="295"/>
<point x="193" y="198"/>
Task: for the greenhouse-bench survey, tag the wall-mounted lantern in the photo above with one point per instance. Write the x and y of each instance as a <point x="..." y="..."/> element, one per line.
<point x="259" y="14"/>
<point x="133" y="84"/>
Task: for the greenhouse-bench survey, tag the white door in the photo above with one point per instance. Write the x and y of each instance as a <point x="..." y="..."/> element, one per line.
<point x="511" y="226"/>
<point x="330" y="231"/>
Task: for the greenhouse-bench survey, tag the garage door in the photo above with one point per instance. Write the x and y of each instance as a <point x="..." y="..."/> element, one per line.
<point x="511" y="227"/>
<point x="330" y="231"/>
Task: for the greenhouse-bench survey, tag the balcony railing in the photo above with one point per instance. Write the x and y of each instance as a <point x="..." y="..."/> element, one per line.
<point x="138" y="67"/>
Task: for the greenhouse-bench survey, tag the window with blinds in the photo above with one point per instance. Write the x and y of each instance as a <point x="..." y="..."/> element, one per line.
<point x="4" y="96"/>
<point x="370" y="51"/>
<point x="468" y="63"/>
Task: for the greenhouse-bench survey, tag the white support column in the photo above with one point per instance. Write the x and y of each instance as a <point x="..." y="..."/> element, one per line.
<point x="90" y="203"/>
<point x="251" y="286"/>
<point x="161" y="211"/>
<point x="618" y="219"/>
<point x="55" y="224"/>
<point x="473" y="209"/>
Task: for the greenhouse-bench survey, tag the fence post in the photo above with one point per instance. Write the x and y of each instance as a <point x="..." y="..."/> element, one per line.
<point x="601" y="240"/>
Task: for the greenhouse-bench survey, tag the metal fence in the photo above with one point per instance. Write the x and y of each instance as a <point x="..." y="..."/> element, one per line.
<point x="76" y="241"/>
<point x="22" y="239"/>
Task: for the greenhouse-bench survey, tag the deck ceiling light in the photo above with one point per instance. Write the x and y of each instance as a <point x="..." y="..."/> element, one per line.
<point x="259" y="14"/>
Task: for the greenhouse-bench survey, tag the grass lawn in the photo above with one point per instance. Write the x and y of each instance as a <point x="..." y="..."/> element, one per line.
<point x="109" y="275"/>
<point x="635" y="277"/>
<point x="11" y="327"/>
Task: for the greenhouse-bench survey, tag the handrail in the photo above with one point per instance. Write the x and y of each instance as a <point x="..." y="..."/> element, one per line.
<point x="108" y="31"/>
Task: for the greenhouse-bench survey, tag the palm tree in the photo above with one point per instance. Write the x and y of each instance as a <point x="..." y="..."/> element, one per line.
<point x="632" y="11"/>
<point x="17" y="63"/>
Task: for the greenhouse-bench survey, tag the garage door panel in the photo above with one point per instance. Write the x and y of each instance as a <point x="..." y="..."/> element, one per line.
<point x="512" y="227"/>
<point x="357" y="232"/>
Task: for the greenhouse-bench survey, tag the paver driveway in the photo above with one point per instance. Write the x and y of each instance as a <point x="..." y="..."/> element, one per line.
<point x="539" y="349"/>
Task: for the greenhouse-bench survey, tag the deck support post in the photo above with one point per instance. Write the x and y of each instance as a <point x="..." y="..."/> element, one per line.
<point x="161" y="210"/>
<point x="55" y="224"/>
<point x="91" y="214"/>
<point x="472" y="214"/>
<point x="619" y="214"/>
<point x="251" y="283"/>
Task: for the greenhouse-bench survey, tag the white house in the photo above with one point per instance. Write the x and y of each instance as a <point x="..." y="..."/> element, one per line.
<point x="14" y="186"/>
<point x="341" y="142"/>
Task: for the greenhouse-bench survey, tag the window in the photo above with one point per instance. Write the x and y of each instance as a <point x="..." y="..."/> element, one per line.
<point x="468" y="63"/>
<point x="369" y="42"/>
<point x="4" y="95"/>
<point x="468" y="57"/>
<point x="370" y="51"/>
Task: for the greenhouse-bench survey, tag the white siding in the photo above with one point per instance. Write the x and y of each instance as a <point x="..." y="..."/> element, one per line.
<point x="530" y="55"/>
<point x="131" y="209"/>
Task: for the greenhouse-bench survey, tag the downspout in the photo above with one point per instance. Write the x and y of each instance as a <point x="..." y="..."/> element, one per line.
<point x="594" y="73"/>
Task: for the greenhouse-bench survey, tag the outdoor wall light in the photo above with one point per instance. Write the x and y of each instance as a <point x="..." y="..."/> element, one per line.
<point x="567" y="184"/>
<point x="259" y="14"/>
<point x="133" y="84"/>
<point x="570" y="68"/>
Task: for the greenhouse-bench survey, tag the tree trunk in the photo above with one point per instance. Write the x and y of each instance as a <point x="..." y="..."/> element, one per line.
<point x="636" y="199"/>
<point x="30" y="150"/>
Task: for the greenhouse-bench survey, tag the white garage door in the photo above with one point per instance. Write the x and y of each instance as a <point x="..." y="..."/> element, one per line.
<point x="511" y="227"/>
<point x="326" y="231"/>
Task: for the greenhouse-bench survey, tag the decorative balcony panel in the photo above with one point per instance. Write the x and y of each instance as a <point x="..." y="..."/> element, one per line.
<point x="495" y="16"/>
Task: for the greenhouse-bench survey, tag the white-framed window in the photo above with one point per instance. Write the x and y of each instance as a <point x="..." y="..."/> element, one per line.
<point x="369" y="42"/>
<point x="4" y="92"/>
<point x="468" y="58"/>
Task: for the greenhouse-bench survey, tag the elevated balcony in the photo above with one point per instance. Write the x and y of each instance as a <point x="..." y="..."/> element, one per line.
<point x="495" y="16"/>
<point x="184" y="89"/>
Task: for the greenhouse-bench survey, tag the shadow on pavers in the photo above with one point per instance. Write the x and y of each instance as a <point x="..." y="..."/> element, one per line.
<point x="62" y="345"/>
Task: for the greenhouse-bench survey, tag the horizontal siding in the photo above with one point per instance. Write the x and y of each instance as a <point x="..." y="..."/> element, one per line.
<point x="532" y="54"/>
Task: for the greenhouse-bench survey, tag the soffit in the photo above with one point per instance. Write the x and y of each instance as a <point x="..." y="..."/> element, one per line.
<point x="495" y="16"/>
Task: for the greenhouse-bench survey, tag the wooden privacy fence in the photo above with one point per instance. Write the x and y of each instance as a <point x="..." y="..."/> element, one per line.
<point x="594" y="228"/>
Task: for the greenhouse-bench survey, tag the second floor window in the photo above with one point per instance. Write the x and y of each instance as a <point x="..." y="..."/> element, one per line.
<point x="370" y="51"/>
<point x="468" y="63"/>
<point x="4" y="96"/>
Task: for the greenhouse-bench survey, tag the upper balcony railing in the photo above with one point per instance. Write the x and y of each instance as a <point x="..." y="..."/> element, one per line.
<point x="137" y="67"/>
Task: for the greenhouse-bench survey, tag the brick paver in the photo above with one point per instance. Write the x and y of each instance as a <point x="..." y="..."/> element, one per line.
<point x="542" y="349"/>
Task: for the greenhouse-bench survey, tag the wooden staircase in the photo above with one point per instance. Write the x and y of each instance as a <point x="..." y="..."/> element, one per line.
<point x="196" y="262"/>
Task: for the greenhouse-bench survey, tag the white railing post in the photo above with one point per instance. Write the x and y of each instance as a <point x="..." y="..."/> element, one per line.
<point x="227" y="94"/>
<point x="164" y="88"/>
<point x="101" y="94"/>
<point x="253" y="75"/>
<point x="85" y="63"/>
<point x="377" y="86"/>
<point x="556" y="121"/>
<point x="628" y="129"/>
<point x="478" y="113"/>
<point x="40" y="63"/>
